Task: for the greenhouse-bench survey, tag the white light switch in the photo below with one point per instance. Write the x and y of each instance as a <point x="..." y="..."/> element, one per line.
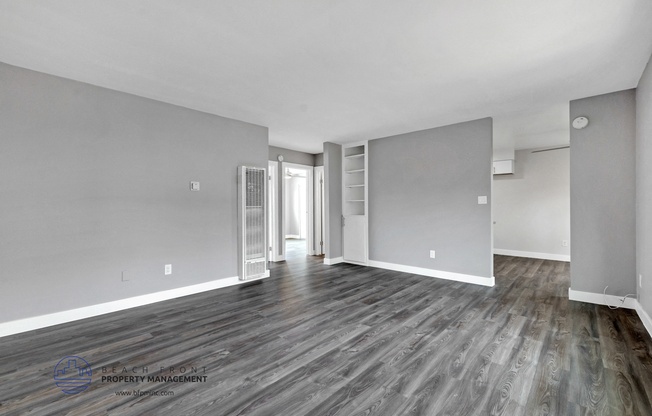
<point x="168" y="269"/>
<point x="482" y="200"/>
<point x="194" y="186"/>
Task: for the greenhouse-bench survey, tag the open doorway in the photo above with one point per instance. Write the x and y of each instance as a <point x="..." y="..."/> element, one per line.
<point x="531" y="184"/>
<point x="297" y="195"/>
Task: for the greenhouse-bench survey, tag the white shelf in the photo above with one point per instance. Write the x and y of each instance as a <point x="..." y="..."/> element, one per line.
<point x="354" y="180"/>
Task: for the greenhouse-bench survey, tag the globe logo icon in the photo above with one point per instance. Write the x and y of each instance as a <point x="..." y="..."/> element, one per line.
<point x="73" y="374"/>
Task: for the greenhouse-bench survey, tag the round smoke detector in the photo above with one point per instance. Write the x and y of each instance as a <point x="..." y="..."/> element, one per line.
<point x="580" y="122"/>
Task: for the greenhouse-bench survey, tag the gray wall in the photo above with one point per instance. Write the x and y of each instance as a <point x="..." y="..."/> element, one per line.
<point x="319" y="159"/>
<point x="603" y="194"/>
<point x="95" y="182"/>
<point x="291" y="156"/>
<point x="333" y="200"/>
<point x="531" y="208"/>
<point x="644" y="186"/>
<point x="423" y="195"/>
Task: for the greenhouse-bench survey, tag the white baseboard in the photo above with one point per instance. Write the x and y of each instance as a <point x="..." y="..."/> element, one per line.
<point x="37" y="322"/>
<point x="532" y="254"/>
<point x="645" y="318"/>
<point x="330" y="262"/>
<point x="599" y="299"/>
<point x="357" y="263"/>
<point x="458" y="277"/>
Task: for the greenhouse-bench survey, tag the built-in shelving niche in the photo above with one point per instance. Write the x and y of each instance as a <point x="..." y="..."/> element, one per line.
<point x="354" y="210"/>
<point x="354" y="180"/>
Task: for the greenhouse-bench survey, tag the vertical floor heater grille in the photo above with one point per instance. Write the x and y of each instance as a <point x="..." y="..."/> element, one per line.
<point x="252" y="196"/>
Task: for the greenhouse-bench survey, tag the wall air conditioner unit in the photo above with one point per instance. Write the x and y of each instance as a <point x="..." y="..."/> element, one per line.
<point x="504" y="167"/>
<point x="252" y="223"/>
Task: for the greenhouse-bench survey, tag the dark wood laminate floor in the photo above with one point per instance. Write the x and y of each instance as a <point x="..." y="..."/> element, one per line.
<point x="346" y="340"/>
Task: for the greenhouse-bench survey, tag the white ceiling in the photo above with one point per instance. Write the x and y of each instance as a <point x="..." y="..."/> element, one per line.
<point x="533" y="128"/>
<point x="335" y="70"/>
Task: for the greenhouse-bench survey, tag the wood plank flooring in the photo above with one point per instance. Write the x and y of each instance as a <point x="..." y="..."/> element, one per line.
<point x="348" y="340"/>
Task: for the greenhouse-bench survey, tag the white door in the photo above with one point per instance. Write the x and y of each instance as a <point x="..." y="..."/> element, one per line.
<point x="353" y="235"/>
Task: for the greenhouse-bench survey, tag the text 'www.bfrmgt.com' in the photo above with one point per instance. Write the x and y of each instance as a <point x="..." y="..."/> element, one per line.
<point x="141" y="393"/>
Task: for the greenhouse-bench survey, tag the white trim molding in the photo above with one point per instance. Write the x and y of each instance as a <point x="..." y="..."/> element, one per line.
<point x="645" y="318"/>
<point x="272" y="212"/>
<point x="458" y="277"/>
<point x="43" y="321"/>
<point x="532" y="254"/>
<point x="333" y="261"/>
<point x="599" y="299"/>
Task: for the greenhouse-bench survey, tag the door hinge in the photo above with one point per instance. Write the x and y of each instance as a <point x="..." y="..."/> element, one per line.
<point x="343" y="221"/>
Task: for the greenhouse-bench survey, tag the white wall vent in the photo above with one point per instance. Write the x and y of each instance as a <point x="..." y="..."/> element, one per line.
<point x="252" y="223"/>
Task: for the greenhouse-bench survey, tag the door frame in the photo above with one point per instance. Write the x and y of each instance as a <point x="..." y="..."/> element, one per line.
<point x="320" y="213"/>
<point x="275" y="254"/>
<point x="310" y="204"/>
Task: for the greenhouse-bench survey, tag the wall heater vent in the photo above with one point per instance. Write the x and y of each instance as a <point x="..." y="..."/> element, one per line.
<point x="252" y="220"/>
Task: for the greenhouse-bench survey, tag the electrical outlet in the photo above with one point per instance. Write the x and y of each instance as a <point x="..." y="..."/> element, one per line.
<point x="168" y="269"/>
<point x="564" y="243"/>
<point x="432" y="254"/>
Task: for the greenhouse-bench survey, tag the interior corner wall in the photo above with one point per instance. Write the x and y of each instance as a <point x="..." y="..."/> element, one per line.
<point x="531" y="208"/>
<point x="95" y="187"/>
<point x="603" y="200"/>
<point x="333" y="200"/>
<point x="289" y="156"/>
<point x="644" y="187"/>
<point x="423" y="195"/>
